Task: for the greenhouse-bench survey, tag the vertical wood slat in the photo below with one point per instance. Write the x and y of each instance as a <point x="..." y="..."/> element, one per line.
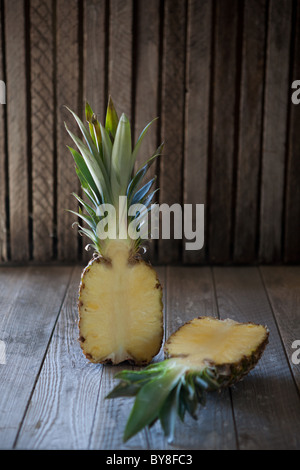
<point x="15" y="35"/>
<point x="275" y="130"/>
<point x="173" y="82"/>
<point x="94" y="70"/>
<point x="198" y="68"/>
<point x="67" y="93"/>
<point x="250" y="131"/>
<point x="42" y="126"/>
<point x="223" y="131"/>
<point x="120" y="55"/>
<point x="3" y="189"/>
<point x="95" y="55"/>
<point x="292" y="208"/>
<point x="146" y="51"/>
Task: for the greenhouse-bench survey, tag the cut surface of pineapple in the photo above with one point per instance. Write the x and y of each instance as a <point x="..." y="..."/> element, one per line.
<point x="209" y="340"/>
<point x="120" y="307"/>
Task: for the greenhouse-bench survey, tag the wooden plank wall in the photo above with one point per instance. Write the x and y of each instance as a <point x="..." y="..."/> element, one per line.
<point x="218" y="73"/>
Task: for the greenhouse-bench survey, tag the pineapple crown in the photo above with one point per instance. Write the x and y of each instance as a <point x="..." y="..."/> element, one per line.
<point x="104" y="163"/>
<point x="163" y="391"/>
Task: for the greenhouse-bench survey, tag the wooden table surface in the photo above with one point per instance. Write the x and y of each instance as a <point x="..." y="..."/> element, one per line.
<point x="51" y="397"/>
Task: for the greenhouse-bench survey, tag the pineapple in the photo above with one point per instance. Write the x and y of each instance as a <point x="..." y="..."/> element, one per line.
<point x="120" y="296"/>
<point x="203" y="355"/>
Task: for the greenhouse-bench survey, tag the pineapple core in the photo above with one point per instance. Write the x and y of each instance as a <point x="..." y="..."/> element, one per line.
<point x="221" y="342"/>
<point x="120" y="308"/>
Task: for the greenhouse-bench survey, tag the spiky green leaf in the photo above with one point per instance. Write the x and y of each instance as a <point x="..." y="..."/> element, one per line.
<point x="121" y="159"/>
<point x="96" y="170"/>
<point x="112" y="120"/>
<point x="140" y="140"/>
<point x="150" y="400"/>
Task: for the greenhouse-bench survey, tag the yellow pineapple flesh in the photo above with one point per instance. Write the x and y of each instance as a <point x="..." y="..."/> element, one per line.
<point x="218" y="342"/>
<point x="120" y="308"/>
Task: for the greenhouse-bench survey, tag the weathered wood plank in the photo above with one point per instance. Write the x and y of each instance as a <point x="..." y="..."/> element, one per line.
<point x="283" y="287"/>
<point x="275" y="130"/>
<point x="26" y="327"/>
<point x="266" y="404"/>
<point x="67" y="93"/>
<point x="61" y="411"/>
<point x="111" y="416"/>
<point x="198" y="71"/>
<point x="95" y="55"/>
<point x="173" y="82"/>
<point x="42" y="126"/>
<point x="17" y="128"/>
<point x="223" y="131"/>
<point x="146" y="94"/>
<point x="292" y="208"/>
<point x="94" y="70"/>
<point x="190" y="293"/>
<point x="120" y="55"/>
<point x="147" y="44"/>
<point x="250" y="131"/>
<point x="3" y="156"/>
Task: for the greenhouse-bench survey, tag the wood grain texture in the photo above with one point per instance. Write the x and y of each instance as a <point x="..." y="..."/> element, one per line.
<point x="266" y="404"/>
<point x="218" y="75"/>
<point x="42" y="126"/>
<point x="94" y="71"/>
<point x="147" y="47"/>
<point x="250" y="131"/>
<point x="198" y="75"/>
<point x="146" y="95"/>
<point x="95" y="56"/>
<point x="3" y="156"/>
<point x="173" y="82"/>
<point x="292" y="208"/>
<point x="283" y="288"/>
<point x="17" y="138"/>
<point x="190" y="293"/>
<point x="62" y="406"/>
<point x="120" y="55"/>
<point x="51" y="397"/>
<point x="26" y="326"/>
<point x="67" y="94"/>
<point x="275" y="130"/>
<point x="223" y="131"/>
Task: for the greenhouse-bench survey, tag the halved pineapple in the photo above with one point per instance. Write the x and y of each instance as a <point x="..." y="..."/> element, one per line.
<point x="120" y="298"/>
<point x="231" y="348"/>
<point x="205" y="354"/>
<point x="120" y="305"/>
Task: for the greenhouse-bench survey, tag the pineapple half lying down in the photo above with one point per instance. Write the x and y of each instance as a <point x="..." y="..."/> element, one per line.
<point x="205" y="354"/>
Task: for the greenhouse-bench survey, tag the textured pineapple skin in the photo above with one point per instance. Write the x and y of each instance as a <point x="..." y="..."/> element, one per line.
<point x="227" y="374"/>
<point x="132" y="261"/>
